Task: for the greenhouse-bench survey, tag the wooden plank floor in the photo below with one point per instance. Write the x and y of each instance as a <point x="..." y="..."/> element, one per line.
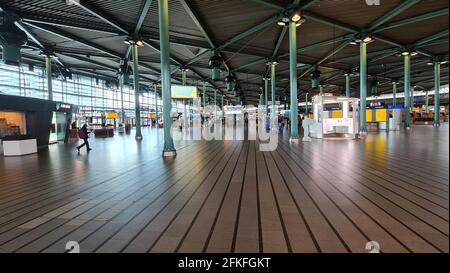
<point x="227" y="196"/>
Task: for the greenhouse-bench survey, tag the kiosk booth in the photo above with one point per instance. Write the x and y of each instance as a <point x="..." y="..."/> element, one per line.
<point x="380" y="117"/>
<point x="29" y="123"/>
<point x="333" y="117"/>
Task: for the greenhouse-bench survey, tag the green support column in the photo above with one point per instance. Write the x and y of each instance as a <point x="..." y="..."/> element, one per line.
<point x="293" y="75"/>
<point x="223" y="111"/>
<point x="426" y="101"/>
<point x="215" y="104"/>
<point x="163" y="9"/>
<point x="266" y="94"/>
<point x="48" y="67"/>
<point x="363" y="86"/>
<point x="306" y="105"/>
<point x="321" y="90"/>
<point x="204" y="97"/>
<point x="347" y="85"/>
<point x="156" y="106"/>
<point x="394" y="93"/>
<point x="185" y="101"/>
<point x="136" y="91"/>
<point x="412" y="97"/>
<point x="407" y="91"/>
<point x="121" y="79"/>
<point x="273" y="82"/>
<point x="437" y="87"/>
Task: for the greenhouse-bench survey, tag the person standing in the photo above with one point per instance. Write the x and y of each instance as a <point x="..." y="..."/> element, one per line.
<point x="84" y="135"/>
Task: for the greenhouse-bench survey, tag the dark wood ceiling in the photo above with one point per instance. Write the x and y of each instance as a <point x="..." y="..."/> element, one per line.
<point x="91" y="43"/>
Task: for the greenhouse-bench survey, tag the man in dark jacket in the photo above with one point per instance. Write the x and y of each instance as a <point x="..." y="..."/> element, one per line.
<point x="84" y="135"/>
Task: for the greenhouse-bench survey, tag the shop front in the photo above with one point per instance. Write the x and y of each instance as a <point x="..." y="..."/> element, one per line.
<point x="33" y="120"/>
<point x="61" y="117"/>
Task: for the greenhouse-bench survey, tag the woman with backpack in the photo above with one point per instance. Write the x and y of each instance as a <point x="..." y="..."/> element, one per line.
<point x="84" y="135"/>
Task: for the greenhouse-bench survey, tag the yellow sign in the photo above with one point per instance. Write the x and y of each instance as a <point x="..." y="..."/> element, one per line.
<point x="184" y="92"/>
<point x="381" y="115"/>
<point x="369" y="117"/>
<point x="152" y="115"/>
<point x="336" y="114"/>
<point x="111" y="115"/>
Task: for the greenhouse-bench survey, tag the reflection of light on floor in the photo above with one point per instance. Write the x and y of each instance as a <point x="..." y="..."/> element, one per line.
<point x="376" y="144"/>
<point x="252" y="129"/>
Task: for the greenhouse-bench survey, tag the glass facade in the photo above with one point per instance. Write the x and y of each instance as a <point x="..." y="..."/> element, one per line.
<point x="92" y="95"/>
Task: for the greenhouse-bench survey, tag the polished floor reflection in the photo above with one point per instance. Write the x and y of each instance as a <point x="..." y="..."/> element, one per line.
<point x="227" y="196"/>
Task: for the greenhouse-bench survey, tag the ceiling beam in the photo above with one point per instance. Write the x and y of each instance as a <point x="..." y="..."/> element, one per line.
<point x="431" y="38"/>
<point x="200" y="25"/>
<point x="193" y="14"/>
<point x="330" y="22"/>
<point x="89" y="8"/>
<point x="144" y="12"/>
<point x="412" y="20"/>
<point x="71" y="37"/>
<point x="149" y="36"/>
<point x="435" y="42"/>
<point x="140" y="22"/>
<point x="392" y="13"/>
<point x="300" y="50"/>
<point x="353" y="29"/>
<point x="279" y="41"/>
<point x="112" y="21"/>
<point x="67" y="25"/>
<point x="324" y="58"/>
<point x="237" y="38"/>
<point x="89" y="60"/>
<point x="270" y="3"/>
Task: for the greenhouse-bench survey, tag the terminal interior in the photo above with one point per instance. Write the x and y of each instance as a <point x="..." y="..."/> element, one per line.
<point x="304" y="126"/>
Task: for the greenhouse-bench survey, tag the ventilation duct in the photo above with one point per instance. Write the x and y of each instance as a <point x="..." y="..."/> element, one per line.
<point x="215" y="63"/>
<point x="11" y="39"/>
<point x="315" y="77"/>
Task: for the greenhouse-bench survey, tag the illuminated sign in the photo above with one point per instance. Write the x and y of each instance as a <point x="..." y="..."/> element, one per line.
<point x="59" y="106"/>
<point x="184" y="92"/>
<point x="111" y="115"/>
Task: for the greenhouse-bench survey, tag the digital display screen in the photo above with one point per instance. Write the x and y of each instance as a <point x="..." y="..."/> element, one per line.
<point x="184" y="92"/>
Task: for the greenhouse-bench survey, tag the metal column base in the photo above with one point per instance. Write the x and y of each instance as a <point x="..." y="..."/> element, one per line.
<point x="293" y="140"/>
<point x="436" y="125"/>
<point x="169" y="153"/>
<point x="138" y="137"/>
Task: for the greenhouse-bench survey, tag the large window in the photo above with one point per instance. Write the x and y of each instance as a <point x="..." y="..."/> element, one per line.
<point x="90" y="94"/>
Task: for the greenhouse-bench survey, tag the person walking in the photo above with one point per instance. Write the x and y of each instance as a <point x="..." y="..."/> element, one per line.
<point x="84" y="135"/>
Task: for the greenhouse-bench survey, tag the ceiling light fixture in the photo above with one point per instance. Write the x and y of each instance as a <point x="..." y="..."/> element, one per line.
<point x="299" y="23"/>
<point x="296" y="16"/>
<point x="140" y="43"/>
<point x="368" y="39"/>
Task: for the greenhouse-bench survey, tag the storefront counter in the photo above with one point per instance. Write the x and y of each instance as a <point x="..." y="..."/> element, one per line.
<point x="18" y="146"/>
<point x="338" y="126"/>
